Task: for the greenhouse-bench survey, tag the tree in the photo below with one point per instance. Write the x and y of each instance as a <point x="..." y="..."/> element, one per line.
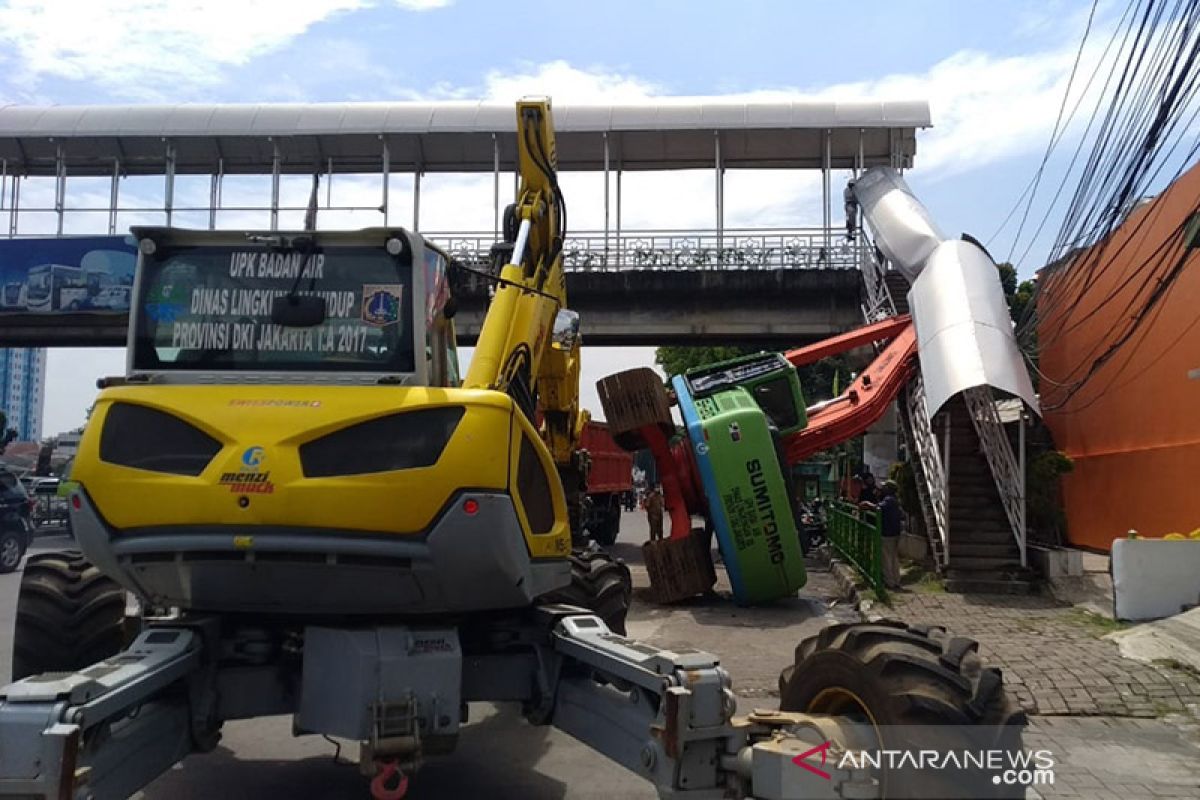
<point x="1019" y="302"/>
<point x="1008" y="278"/>
<point x="1017" y="294"/>
<point x="678" y="360"/>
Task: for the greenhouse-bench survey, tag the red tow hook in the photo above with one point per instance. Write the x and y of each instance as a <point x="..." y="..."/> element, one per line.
<point x="387" y="771"/>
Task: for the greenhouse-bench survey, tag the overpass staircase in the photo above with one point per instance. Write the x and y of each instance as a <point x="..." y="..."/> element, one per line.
<point x="969" y="484"/>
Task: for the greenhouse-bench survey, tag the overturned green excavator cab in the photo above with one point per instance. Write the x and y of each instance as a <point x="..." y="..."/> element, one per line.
<point x="734" y="412"/>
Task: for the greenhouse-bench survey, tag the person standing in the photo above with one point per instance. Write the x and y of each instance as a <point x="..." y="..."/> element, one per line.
<point x="891" y="521"/>
<point x="869" y="493"/>
<point x="654" y="512"/>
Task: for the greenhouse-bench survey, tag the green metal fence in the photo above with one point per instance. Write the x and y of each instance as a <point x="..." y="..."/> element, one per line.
<point x="857" y="534"/>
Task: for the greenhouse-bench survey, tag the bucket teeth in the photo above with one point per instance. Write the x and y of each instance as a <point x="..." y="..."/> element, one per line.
<point x="634" y="399"/>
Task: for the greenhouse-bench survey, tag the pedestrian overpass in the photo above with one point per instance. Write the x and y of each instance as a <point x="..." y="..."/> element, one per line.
<point x="68" y="171"/>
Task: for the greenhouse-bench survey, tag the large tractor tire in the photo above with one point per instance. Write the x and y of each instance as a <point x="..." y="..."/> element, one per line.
<point x="600" y="584"/>
<point x="69" y="615"/>
<point x="919" y="688"/>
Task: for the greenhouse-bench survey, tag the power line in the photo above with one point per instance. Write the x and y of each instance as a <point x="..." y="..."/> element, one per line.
<point x="1156" y="296"/>
<point x="1054" y="134"/>
<point x="1127" y="152"/>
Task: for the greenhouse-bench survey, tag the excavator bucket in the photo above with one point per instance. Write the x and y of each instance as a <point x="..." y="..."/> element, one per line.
<point x="638" y="411"/>
<point x="633" y="400"/>
<point x="679" y="568"/>
<point x="733" y="412"/>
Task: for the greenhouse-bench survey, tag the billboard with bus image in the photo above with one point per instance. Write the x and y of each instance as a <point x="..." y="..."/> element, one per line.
<point x="67" y="275"/>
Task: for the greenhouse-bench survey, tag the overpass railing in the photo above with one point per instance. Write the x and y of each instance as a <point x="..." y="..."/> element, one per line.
<point x="747" y="249"/>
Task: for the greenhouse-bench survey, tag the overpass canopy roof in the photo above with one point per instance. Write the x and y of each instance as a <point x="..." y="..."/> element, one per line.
<point x="677" y="133"/>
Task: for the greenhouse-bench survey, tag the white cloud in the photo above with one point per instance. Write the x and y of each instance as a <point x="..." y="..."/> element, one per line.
<point x="984" y="108"/>
<point x="133" y="47"/>
<point x="558" y="79"/>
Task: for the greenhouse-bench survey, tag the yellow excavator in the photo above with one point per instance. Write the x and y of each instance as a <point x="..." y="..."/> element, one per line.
<point x="318" y="517"/>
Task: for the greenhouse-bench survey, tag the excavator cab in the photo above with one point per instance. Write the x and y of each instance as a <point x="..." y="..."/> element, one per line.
<point x="292" y="417"/>
<point x="734" y="412"/>
<point x="367" y="304"/>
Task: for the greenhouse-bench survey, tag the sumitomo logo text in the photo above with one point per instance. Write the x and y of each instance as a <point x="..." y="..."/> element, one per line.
<point x="766" y="512"/>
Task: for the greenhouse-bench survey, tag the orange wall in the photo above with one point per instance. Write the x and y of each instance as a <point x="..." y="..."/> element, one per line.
<point x="1134" y="429"/>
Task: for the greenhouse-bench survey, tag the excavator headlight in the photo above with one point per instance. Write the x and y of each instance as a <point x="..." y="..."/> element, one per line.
<point x="399" y="441"/>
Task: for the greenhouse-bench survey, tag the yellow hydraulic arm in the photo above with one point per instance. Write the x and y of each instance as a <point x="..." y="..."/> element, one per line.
<point x="529" y="344"/>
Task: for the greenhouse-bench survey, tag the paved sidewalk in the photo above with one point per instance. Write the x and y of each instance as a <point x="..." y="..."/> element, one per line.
<point x="1053" y="658"/>
<point x="1114" y="758"/>
<point x="1118" y="729"/>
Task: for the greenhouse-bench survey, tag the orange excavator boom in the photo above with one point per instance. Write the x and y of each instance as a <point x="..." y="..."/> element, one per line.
<point x="866" y="399"/>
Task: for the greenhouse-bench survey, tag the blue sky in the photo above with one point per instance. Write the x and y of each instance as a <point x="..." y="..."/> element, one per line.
<point x="994" y="74"/>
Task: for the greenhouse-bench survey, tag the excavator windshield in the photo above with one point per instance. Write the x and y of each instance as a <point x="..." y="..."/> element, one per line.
<point x="210" y="308"/>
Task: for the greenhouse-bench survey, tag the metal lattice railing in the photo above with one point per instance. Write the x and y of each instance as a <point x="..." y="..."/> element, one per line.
<point x="1007" y="473"/>
<point x="799" y="248"/>
<point x="880" y="304"/>
<point x="857" y="534"/>
<point x="931" y="472"/>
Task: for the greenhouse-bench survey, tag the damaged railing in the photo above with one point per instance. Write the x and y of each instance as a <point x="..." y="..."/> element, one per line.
<point x="930" y="471"/>
<point x="857" y="534"/>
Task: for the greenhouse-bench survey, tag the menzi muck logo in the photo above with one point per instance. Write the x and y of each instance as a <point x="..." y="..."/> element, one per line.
<point x="252" y="479"/>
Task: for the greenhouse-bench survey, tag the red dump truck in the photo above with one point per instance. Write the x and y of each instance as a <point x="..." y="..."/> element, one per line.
<point x="611" y="476"/>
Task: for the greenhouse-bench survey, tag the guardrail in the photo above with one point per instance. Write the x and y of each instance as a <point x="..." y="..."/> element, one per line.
<point x="747" y="249"/>
<point x="857" y="534"/>
<point x="49" y="511"/>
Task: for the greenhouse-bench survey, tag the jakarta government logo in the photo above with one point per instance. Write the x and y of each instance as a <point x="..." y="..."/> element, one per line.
<point x="381" y="303"/>
<point x="253" y="457"/>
